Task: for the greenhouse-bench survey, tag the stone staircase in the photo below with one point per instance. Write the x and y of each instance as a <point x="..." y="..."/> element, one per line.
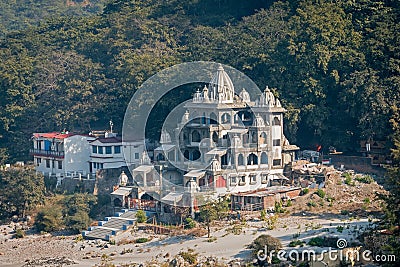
<point x="111" y="226"/>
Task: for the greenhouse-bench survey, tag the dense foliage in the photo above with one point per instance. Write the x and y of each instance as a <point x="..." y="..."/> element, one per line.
<point x="69" y="212"/>
<point x="21" y="190"/>
<point x="335" y="65"/>
<point x="141" y="216"/>
<point x="19" y="14"/>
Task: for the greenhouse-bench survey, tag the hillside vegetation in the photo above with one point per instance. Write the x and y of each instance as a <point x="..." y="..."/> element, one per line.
<point x="334" y="64"/>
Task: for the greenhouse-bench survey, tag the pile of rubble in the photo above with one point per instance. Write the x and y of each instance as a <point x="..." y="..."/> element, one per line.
<point x="53" y="262"/>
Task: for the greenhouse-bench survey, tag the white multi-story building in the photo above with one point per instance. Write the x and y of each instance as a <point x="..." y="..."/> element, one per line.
<point x="67" y="154"/>
<point x="227" y="142"/>
<point x="61" y="153"/>
<point x="108" y="152"/>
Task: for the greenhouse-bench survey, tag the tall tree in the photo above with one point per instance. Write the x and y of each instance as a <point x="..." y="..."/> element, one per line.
<point x="21" y="189"/>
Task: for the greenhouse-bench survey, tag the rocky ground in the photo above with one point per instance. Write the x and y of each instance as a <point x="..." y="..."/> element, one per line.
<point x="344" y="212"/>
<point x="228" y="243"/>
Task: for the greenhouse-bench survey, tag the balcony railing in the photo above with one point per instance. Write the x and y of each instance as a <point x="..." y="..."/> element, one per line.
<point x="47" y="153"/>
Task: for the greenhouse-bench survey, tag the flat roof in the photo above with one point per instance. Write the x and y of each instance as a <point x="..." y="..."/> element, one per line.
<point x="195" y="174"/>
<point x="164" y="148"/>
<point x="108" y="140"/>
<point x="144" y="168"/>
<point x="217" y="151"/>
<point x="172" y="197"/>
<point x="268" y="191"/>
<point x="122" y="191"/>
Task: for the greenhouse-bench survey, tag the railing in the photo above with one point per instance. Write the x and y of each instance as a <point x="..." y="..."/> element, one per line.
<point x="71" y="175"/>
<point x="49" y="153"/>
<point x="247" y="206"/>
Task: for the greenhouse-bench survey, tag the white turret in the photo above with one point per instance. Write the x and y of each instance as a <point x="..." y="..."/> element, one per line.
<point x="145" y="160"/>
<point x="165" y="137"/>
<point x="244" y="95"/>
<point x="221" y="87"/>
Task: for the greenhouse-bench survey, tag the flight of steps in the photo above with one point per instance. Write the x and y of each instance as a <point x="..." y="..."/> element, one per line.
<point x="111" y="226"/>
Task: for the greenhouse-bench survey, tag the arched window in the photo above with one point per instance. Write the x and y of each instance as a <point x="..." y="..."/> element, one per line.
<point x="263" y="138"/>
<point x="276" y="121"/>
<point x="195" y="136"/>
<point x="196" y="155"/>
<point x="254" y="137"/>
<point x="215" y="137"/>
<point x="160" y="157"/>
<point x="226" y="118"/>
<point x="246" y="138"/>
<point x="240" y="160"/>
<point x="186" y="154"/>
<point x="252" y="159"/>
<point x="264" y="158"/>
<point x="224" y="160"/>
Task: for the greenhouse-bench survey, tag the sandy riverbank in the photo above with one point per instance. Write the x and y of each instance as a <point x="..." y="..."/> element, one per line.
<point x="226" y="246"/>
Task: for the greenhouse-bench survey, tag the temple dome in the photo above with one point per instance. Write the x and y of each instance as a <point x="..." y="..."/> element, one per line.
<point x="221" y="87"/>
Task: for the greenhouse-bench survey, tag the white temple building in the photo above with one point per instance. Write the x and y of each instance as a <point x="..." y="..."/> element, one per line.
<point x="226" y="142"/>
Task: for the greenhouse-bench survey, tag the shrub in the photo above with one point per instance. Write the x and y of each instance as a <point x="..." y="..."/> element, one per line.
<point x="305" y="191"/>
<point x="49" y="219"/>
<point x="317" y="241"/>
<point x="348" y="179"/>
<point x="265" y="241"/>
<point x="320" y="193"/>
<point x="295" y="243"/>
<point x="289" y="203"/>
<point x="211" y="239"/>
<point x="141" y="216"/>
<point x="79" y="221"/>
<point x="339" y="228"/>
<point x="142" y="240"/>
<point x="263" y="215"/>
<point x="344" y="212"/>
<point x="271" y="221"/>
<point x="367" y="200"/>
<point x="19" y="233"/>
<point x="79" y="238"/>
<point x="278" y="207"/>
<point x="366" y="179"/>
<point x="189" y="223"/>
<point x="189" y="256"/>
<point x="311" y="204"/>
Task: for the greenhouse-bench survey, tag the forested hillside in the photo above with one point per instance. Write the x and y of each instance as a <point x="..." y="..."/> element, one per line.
<point x="334" y="64"/>
<point x="19" y="14"/>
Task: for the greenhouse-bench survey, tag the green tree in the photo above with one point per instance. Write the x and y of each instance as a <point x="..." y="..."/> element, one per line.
<point x="79" y="221"/>
<point x="208" y="213"/>
<point x="141" y="216"/>
<point x="50" y="218"/>
<point x="21" y="190"/>
<point x="77" y="209"/>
